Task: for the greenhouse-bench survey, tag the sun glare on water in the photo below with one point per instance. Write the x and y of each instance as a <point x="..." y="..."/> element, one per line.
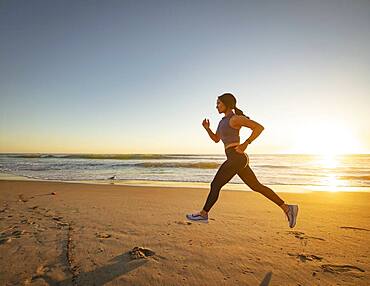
<point x="327" y="173"/>
<point x="329" y="163"/>
<point x="327" y="139"/>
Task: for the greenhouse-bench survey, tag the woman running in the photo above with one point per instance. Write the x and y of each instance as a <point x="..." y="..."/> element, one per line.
<point x="237" y="161"/>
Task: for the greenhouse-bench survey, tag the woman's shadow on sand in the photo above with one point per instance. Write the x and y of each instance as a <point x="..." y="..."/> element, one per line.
<point x="119" y="265"/>
<point x="266" y="280"/>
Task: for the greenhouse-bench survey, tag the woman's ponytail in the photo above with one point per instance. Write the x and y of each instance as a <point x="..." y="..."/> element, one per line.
<point x="239" y="112"/>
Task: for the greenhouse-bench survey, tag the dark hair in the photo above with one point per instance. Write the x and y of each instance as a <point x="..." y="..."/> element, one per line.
<point x="230" y="101"/>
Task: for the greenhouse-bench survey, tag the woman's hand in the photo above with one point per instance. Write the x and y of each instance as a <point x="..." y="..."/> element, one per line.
<point x="205" y="123"/>
<point x="241" y="148"/>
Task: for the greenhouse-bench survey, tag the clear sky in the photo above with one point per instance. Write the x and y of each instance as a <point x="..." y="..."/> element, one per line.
<point x="140" y="76"/>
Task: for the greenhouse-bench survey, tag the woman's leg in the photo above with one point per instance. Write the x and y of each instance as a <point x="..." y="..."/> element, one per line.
<point x="225" y="173"/>
<point x="248" y="177"/>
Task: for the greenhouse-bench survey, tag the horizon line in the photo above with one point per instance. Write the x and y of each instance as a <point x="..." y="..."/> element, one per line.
<point x="80" y="153"/>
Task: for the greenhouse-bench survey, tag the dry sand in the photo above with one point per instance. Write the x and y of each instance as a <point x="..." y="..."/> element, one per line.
<point x="86" y="234"/>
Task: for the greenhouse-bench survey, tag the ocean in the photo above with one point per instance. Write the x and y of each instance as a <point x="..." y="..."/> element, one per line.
<point x="270" y="169"/>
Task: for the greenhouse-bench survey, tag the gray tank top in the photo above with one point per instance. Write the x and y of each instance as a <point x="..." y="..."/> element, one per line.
<point x="226" y="132"/>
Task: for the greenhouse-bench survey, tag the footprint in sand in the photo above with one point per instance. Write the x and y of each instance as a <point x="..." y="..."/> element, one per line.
<point x="183" y="222"/>
<point x="17" y="233"/>
<point x="306" y="257"/>
<point x="21" y="198"/>
<point x="58" y="218"/>
<point x="102" y="235"/>
<point x="6" y="236"/>
<point x="40" y="272"/>
<point x="354" y="228"/>
<point x="333" y="268"/>
<point x="61" y="223"/>
<point x="302" y="235"/>
<point x="5" y="240"/>
<point x="27" y="221"/>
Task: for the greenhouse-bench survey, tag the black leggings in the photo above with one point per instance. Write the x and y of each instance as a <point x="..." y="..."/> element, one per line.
<point x="237" y="163"/>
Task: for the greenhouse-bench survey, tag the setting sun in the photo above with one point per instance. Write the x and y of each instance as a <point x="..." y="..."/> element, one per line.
<point x="326" y="137"/>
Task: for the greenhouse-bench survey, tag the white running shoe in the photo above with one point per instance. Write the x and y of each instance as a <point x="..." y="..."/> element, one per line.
<point x="292" y="215"/>
<point x="197" y="217"/>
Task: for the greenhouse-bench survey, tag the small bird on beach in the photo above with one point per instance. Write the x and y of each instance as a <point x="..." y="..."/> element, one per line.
<point x="113" y="177"/>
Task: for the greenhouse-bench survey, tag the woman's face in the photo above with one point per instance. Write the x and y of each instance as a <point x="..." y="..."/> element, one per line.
<point x="220" y="106"/>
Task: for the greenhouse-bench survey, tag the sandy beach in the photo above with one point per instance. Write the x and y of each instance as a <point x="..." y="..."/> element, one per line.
<point x="55" y="233"/>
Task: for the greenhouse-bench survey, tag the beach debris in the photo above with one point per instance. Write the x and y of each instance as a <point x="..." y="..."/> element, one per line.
<point x="102" y="235"/>
<point x="53" y="193"/>
<point x="333" y="268"/>
<point x="140" y="252"/>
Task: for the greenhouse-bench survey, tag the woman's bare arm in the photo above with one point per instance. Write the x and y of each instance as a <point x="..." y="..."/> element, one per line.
<point x="214" y="137"/>
<point x="240" y="121"/>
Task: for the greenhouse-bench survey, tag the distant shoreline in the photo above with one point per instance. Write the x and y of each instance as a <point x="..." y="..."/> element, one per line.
<point x="192" y="185"/>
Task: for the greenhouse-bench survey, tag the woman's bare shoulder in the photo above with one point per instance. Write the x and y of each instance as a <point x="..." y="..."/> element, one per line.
<point x="240" y="120"/>
<point x="234" y="122"/>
